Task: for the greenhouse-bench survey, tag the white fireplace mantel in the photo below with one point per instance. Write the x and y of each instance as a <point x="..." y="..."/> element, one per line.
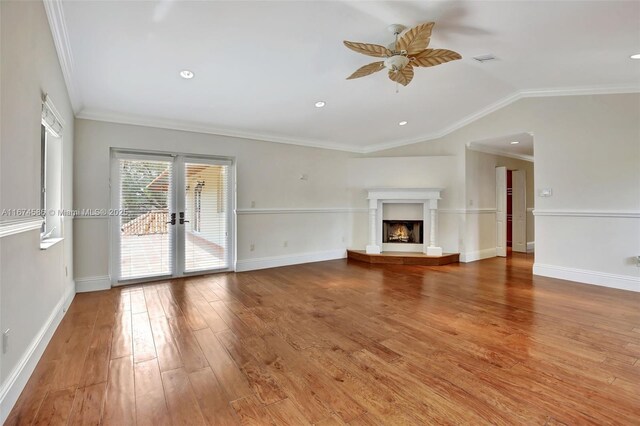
<point x="379" y="196"/>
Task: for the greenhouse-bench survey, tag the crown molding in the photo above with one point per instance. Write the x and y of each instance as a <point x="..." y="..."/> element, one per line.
<point x="187" y="126"/>
<point x="489" y="150"/>
<point x="580" y="91"/>
<point x="57" y="23"/>
<point x="501" y="103"/>
<point x="508" y="100"/>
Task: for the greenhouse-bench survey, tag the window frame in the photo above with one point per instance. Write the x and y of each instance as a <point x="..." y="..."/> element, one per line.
<point x="51" y="129"/>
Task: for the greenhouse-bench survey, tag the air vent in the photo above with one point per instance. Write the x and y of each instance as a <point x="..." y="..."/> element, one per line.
<point x="484" y="58"/>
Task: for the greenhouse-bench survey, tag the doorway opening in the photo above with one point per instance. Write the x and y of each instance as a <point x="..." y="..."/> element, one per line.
<point x="512" y="158"/>
<point x="511" y="211"/>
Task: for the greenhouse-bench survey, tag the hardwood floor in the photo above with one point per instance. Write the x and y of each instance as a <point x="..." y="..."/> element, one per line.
<point x="344" y="342"/>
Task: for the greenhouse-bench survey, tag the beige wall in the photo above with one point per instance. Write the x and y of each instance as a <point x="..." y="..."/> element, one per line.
<point x="587" y="149"/>
<point x="406" y="172"/>
<point x="481" y="185"/>
<point x="268" y="174"/>
<point x="32" y="282"/>
<point x="577" y="139"/>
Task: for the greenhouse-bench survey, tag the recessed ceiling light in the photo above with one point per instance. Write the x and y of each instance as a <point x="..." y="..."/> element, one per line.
<point x="402" y="123"/>
<point x="636" y="56"/>
<point x="186" y="74"/>
<point x="320" y="104"/>
<point x="514" y="143"/>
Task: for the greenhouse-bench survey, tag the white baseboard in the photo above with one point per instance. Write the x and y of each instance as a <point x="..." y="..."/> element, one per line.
<point x="84" y="285"/>
<point x="18" y="377"/>
<point x="622" y="282"/>
<point x="531" y="246"/>
<point x="472" y="256"/>
<point x="293" y="259"/>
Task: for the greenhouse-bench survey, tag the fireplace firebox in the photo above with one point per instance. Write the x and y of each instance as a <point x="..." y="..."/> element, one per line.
<point x="402" y="231"/>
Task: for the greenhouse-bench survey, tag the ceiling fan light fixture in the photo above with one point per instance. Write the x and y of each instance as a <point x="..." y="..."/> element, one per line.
<point x="409" y="50"/>
<point x="396" y="62"/>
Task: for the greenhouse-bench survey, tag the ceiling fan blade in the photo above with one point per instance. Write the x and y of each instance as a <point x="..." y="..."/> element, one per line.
<point x="366" y="70"/>
<point x="416" y="39"/>
<point x="432" y="57"/>
<point x="403" y="76"/>
<point x="368" y="49"/>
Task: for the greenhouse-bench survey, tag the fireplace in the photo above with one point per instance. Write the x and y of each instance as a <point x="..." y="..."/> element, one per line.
<point x="402" y="231"/>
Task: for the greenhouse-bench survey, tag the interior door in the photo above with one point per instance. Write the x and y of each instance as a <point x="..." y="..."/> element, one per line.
<point x="501" y="211"/>
<point x="177" y="216"/>
<point x="519" y="211"/>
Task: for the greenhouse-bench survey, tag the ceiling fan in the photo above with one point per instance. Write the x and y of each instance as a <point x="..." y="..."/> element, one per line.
<point x="406" y="52"/>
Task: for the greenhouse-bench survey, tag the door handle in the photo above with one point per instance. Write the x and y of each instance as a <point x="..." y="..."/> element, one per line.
<point x="182" y="221"/>
<point x="173" y="219"/>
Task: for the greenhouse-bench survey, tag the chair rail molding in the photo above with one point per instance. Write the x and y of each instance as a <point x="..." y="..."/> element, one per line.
<point x="16" y="226"/>
<point x="469" y="211"/>
<point x="588" y="213"/>
<point x="299" y="210"/>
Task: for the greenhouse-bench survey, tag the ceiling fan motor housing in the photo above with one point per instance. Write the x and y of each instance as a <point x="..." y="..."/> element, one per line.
<point x="396" y="62"/>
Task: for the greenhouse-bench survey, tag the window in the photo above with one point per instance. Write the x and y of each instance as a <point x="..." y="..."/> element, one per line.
<point x="50" y="174"/>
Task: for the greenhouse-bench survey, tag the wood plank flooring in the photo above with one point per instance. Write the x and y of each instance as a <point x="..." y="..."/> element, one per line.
<point x="344" y="342"/>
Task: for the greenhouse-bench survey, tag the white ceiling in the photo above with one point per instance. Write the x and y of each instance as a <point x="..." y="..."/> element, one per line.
<point x="502" y="145"/>
<point x="260" y="66"/>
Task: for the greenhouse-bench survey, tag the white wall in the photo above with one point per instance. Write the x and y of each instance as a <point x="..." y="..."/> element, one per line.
<point x="587" y="149"/>
<point x="33" y="283"/>
<point x="268" y="174"/>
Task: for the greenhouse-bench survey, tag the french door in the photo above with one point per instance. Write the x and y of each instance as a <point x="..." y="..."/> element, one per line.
<point x="173" y="215"/>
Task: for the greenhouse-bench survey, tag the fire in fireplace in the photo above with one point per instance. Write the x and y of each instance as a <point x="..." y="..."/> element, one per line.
<point x="402" y="231"/>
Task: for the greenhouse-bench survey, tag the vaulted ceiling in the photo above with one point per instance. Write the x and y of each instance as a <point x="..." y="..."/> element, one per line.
<point x="261" y="66"/>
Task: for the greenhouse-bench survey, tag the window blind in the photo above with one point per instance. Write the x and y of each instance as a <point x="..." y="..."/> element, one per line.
<point x="50" y="118"/>
<point x="146" y="239"/>
<point x="207" y="212"/>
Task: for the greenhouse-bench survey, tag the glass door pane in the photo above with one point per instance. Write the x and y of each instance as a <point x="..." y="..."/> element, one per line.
<point x="146" y="239"/>
<point x="206" y="211"/>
